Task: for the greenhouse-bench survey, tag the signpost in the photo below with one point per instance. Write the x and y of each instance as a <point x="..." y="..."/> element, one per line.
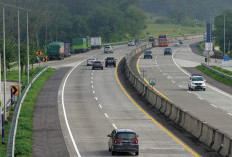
<point x="15" y="90"/>
<point x="39" y="53"/>
<point x="45" y="59"/>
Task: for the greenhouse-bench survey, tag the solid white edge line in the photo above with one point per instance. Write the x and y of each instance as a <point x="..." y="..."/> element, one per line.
<point x="64" y="110"/>
<point x="230" y="114"/>
<point x="207" y="85"/>
<point x="214" y="105"/>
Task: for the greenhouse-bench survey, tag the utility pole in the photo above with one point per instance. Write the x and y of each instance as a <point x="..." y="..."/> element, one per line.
<point x="28" y="63"/>
<point x="19" y="57"/>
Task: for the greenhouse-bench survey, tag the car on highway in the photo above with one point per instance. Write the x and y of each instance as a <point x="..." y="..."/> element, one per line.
<point x="131" y="43"/>
<point x="168" y="51"/>
<point x="108" y="49"/>
<point x="177" y="43"/>
<point x="151" y="39"/>
<point x="90" y="61"/>
<point x="196" y="82"/>
<point x="97" y="65"/>
<point x="110" y="61"/>
<point x="180" y="41"/>
<point x="137" y="42"/>
<point x="147" y="54"/>
<point x="123" y="140"/>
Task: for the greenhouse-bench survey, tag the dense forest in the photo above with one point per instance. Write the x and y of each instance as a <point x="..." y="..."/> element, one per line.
<point x="59" y="20"/>
<point x="183" y="10"/>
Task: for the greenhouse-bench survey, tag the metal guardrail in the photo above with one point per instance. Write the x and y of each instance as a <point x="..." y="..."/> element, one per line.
<point x="216" y="71"/>
<point x="14" y="123"/>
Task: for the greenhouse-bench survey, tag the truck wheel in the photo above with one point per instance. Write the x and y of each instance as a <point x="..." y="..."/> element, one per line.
<point x="136" y="153"/>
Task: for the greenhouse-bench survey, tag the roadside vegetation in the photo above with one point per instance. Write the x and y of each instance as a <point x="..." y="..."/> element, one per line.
<point x="215" y="76"/>
<point x="29" y="100"/>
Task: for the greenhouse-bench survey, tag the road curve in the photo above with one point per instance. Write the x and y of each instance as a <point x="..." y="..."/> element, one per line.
<point x="94" y="104"/>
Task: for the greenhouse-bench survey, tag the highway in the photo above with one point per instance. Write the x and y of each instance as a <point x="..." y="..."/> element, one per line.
<point x="171" y="73"/>
<point x="92" y="104"/>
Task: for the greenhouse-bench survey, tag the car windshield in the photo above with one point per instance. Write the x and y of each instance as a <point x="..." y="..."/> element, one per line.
<point x="167" y="49"/>
<point x="147" y="52"/>
<point x="197" y="79"/>
<point x="126" y="135"/>
<point x="110" y="58"/>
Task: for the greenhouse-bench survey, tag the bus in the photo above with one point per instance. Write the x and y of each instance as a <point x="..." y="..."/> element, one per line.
<point x="163" y="40"/>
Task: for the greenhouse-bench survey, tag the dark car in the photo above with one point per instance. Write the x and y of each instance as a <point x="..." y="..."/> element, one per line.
<point x="97" y="65"/>
<point x="180" y="41"/>
<point x="147" y="54"/>
<point x="123" y="140"/>
<point x="110" y="61"/>
<point x="168" y="51"/>
<point x="137" y="42"/>
<point x="151" y="39"/>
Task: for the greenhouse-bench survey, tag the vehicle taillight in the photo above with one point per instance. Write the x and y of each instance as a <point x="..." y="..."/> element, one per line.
<point x="135" y="141"/>
<point x="116" y="140"/>
<point x="114" y="60"/>
<point x="101" y="63"/>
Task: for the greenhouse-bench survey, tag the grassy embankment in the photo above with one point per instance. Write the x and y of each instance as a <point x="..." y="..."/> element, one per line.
<point x="24" y="132"/>
<point x="171" y="29"/>
<point x="215" y="76"/>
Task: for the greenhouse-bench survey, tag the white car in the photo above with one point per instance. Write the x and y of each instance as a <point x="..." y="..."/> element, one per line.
<point x="196" y="82"/>
<point x="131" y="43"/>
<point x="90" y="61"/>
<point x="177" y="43"/>
<point x="108" y="49"/>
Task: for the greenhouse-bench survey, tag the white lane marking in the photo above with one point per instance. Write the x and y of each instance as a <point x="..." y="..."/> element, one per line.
<point x="92" y="73"/>
<point x="164" y="74"/>
<point x="214" y="105"/>
<point x="189" y="92"/>
<point x="64" y="110"/>
<point x="106" y="115"/>
<point x="161" y="70"/>
<point x="208" y="85"/>
<point x="93" y="92"/>
<point x="100" y="105"/>
<point x="96" y="98"/>
<point x="200" y="98"/>
<point x="91" y="77"/>
<point x="114" y="126"/>
<point x="92" y="82"/>
<point x="230" y="114"/>
<point x="173" y="82"/>
<point x="92" y="86"/>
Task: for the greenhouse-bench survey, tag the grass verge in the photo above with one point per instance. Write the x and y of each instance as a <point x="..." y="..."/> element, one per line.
<point x="13" y="75"/>
<point x="215" y="76"/>
<point x="222" y="70"/>
<point x="23" y="147"/>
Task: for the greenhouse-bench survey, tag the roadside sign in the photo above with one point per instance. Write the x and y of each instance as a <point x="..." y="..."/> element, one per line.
<point x="152" y="81"/>
<point x="148" y="33"/>
<point x="45" y="59"/>
<point x="39" y="53"/>
<point x="15" y="90"/>
<point x="226" y="58"/>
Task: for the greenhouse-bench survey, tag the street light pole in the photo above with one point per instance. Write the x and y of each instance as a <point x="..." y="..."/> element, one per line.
<point x="224" y="34"/>
<point x="4" y="60"/>
<point x="19" y="57"/>
<point x="28" y="79"/>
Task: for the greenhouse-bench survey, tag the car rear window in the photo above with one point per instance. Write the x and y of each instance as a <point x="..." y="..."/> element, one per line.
<point x="168" y="49"/>
<point x="110" y="58"/>
<point x="126" y="135"/>
<point x="147" y="52"/>
<point x="97" y="62"/>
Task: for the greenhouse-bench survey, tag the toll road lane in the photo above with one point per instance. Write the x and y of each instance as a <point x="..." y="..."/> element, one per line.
<point x="95" y="108"/>
<point x="166" y="70"/>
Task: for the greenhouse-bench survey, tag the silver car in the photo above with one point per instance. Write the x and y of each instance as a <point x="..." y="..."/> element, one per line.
<point x="108" y="49"/>
<point x="123" y="140"/>
<point x="90" y="61"/>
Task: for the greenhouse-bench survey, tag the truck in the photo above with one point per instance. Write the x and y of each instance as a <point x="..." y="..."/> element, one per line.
<point x="95" y="43"/>
<point x="55" y="50"/>
<point x="163" y="40"/>
<point x="67" y="50"/>
<point x="81" y="45"/>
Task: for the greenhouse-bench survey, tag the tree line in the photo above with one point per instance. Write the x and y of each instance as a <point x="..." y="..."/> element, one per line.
<point x="59" y="20"/>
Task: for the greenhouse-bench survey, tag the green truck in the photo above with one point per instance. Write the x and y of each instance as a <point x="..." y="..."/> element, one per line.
<point x="81" y="45"/>
<point x="55" y="50"/>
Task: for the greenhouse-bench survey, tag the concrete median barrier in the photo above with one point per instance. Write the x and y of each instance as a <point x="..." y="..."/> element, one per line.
<point x="200" y="129"/>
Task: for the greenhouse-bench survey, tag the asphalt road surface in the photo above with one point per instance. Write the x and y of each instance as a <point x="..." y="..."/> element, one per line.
<point x="213" y="105"/>
<point x="92" y="104"/>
